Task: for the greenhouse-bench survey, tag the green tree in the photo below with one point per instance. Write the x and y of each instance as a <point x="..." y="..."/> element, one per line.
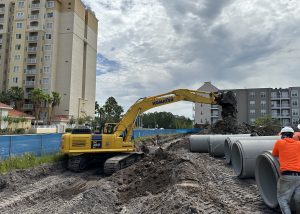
<point x="268" y="124"/>
<point x="37" y="97"/>
<point x="112" y="111"/>
<point x="17" y="95"/>
<point x="55" y="102"/>
<point x="4" y="97"/>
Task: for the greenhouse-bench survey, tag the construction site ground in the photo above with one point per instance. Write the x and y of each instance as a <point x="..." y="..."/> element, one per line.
<point x="169" y="179"/>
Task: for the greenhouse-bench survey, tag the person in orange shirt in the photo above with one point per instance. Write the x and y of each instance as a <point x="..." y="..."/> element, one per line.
<point x="287" y="150"/>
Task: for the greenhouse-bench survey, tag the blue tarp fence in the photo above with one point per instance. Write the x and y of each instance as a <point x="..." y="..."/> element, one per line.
<point x="39" y="144"/>
<point x="148" y="132"/>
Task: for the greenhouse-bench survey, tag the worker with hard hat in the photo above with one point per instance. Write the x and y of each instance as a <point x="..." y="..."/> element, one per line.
<point x="287" y="150"/>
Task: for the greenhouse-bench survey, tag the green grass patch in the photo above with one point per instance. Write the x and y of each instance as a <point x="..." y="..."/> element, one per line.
<point x="27" y="161"/>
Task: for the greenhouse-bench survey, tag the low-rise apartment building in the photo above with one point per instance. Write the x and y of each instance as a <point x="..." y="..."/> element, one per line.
<point x="253" y="103"/>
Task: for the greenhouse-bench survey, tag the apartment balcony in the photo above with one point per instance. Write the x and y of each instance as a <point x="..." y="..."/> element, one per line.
<point x="1" y="41"/>
<point x="32" y="49"/>
<point x="285" y="106"/>
<point x="34" y="17"/>
<point x="214" y="107"/>
<point x="35" y="6"/>
<point x="31" y="60"/>
<point x="29" y="83"/>
<point x="33" y="38"/>
<point x="50" y="4"/>
<point x="281" y="115"/>
<point x="34" y="27"/>
<point x="280" y="97"/>
<point x="30" y="71"/>
<point x="27" y="106"/>
<point x="215" y="115"/>
<point x="2" y="10"/>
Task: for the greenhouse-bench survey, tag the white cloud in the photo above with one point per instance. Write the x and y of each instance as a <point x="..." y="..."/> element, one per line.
<point x="163" y="45"/>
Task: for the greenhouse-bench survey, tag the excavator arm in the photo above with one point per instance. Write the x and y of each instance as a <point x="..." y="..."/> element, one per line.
<point x="127" y="123"/>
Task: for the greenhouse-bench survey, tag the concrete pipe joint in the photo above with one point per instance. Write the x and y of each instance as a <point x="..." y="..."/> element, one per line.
<point x="216" y="144"/>
<point x="199" y="143"/>
<point x="244" y="154"/>
<point x="230" y="140"/>
<point x="266" y="175"/>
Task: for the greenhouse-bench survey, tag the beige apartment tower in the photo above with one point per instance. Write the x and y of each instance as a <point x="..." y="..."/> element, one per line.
<point x="52" y="45"/>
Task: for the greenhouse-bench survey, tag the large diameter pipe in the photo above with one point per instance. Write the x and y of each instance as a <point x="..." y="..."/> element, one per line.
<point x="231" y="139"/>
<point x="267" y="174"/>
<point x="244" y="154"/>
<point x="199" y="143"/>
<point x="216" y="144"/>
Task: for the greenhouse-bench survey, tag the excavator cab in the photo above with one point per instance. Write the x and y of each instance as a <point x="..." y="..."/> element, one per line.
<point x="109" y="128"/>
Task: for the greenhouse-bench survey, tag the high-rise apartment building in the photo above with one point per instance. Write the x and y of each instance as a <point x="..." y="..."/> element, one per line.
<point x="279" y="103"/>
<point x="52" y="45"/>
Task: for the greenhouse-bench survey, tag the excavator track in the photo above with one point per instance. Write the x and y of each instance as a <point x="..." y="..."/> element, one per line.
<point x="122" y="161"/>
<point x="77" y="163"/>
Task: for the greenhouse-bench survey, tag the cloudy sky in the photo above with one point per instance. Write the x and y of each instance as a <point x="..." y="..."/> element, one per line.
<point x="149" y="47"/>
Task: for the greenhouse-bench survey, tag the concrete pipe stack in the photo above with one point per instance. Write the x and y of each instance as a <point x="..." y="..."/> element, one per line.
<point x="231" y="139"/>
<point x="245" y="152"/>
<point x="199" y="143"/>
<point x="266" y="175"/>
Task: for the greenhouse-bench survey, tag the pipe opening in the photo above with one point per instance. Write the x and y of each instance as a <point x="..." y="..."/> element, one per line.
<point x="236" y="159"/>
<point x="227" y="151"/>
<point x="265" y="176"/>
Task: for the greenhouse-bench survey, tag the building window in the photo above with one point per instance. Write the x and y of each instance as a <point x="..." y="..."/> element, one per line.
<point x="50" y="4"/>
<point x="252" y="103"/>
<point x="295" y="121"/>
<point x="16" y="68"/>
<point x="252" y="94"/>
<point x="263" y="112"/>
<point x="18" y="47"/>
<point x="252" y="111"/>
<point x="20" y="15"/>
<point x="47" y="58"/>
<point x="294" y="93"/>
<point x="49" y="25"/>
<point x="17" y="57"/>
<point x="47" y="47"/>
<point x="252" y="120"/>
<point x="263" y="94"/>
<point x="295" y="112"/>
<point x="48" y="36"/>
<point x="46" y="90"/>
<point x="46" y="69"/>
<point x="45" y="80"/>
<point x="15" y="79"/>
<point x="274" y="94"/>
<point x="18" y="36"/>
<point x="263" y="103"/>
<point x="294" y="103"/>
<point x="50" y="15"/>
<point x="284" y="94"/>
<point x="19" y="25"/>
<point x="21" y="4"/>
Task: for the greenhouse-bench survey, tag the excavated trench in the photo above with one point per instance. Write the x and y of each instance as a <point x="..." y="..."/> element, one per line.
<point x="169" y="179"/>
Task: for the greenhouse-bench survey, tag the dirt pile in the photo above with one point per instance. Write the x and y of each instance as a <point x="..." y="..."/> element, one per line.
<point x="168" y="180"/>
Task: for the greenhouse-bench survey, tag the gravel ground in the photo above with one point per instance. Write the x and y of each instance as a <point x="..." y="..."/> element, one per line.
<point x="169" y="179"/>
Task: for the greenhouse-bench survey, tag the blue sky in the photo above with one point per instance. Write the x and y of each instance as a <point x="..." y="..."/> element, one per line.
<point x="149" y="47"/>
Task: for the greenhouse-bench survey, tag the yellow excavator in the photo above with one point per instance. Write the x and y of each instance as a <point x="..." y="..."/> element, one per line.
<point x="114" y="143"/>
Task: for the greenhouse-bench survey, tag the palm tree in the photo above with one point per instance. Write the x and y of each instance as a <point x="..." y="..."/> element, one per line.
<point x="49" y="100"/>
<point x="37" y="96"/>
<point x="56" y="101"/>
<point x="17" y="95"/>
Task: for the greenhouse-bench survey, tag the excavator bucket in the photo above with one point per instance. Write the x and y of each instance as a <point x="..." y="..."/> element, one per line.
<point x="229" y="104"/>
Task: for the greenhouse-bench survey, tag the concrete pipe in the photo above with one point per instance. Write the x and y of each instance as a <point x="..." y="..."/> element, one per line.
<point x="199" y="143"/>
<point x="230" y="140"/>
<point x="244" y="154"/>
<point x="266" y="175"/>
<point x="216" y="144"/>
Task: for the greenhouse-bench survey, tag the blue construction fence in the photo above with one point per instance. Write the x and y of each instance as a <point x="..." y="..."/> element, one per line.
<point x="148" y="132"/>
<point x="39" y="144"/>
